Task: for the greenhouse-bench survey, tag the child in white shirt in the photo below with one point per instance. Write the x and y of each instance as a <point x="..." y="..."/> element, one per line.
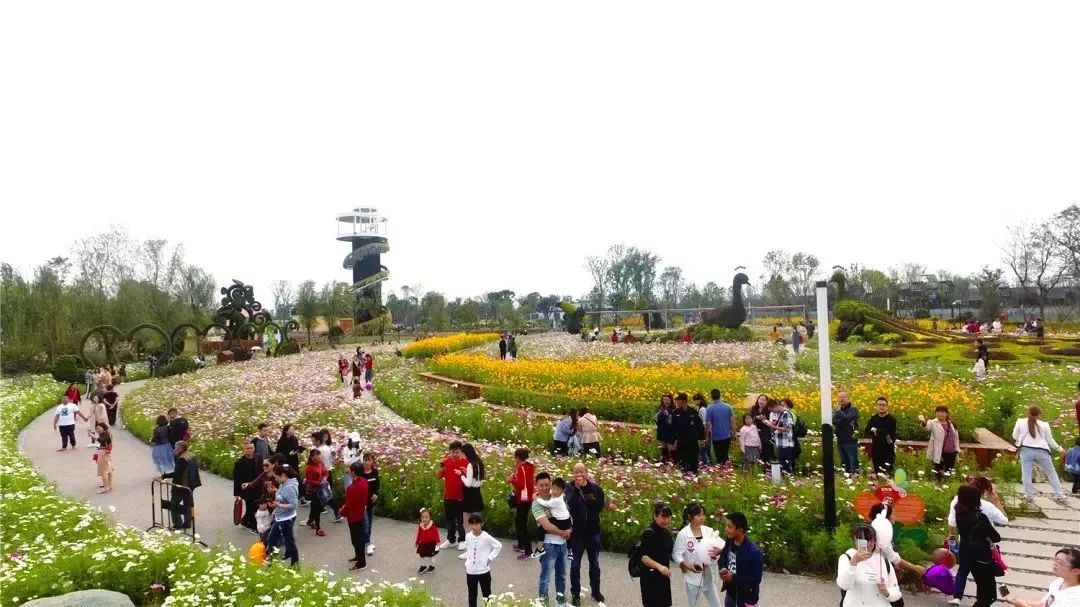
<point x="480" y="552"/>
<point x="560" y="514"/>
<point x="262" y="519"/>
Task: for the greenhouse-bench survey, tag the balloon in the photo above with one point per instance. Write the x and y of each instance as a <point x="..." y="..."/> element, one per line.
<point x="943" y="556"/>
<point x="940" y="578"/>
<point x="901" y="479"/>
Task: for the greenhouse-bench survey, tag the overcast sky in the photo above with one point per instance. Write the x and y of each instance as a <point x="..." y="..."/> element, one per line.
<point x="505" y="141"/>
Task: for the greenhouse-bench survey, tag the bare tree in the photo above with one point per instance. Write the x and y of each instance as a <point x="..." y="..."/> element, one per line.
<point x="283" y="293"/>
<point x="1036" y="258"/>
<point x="104" y="261"/>
<point x="1066" y="229"/>
<point x="598" y="269"/>
<point x="671" y="285"/>
<point x="803" y="269"/>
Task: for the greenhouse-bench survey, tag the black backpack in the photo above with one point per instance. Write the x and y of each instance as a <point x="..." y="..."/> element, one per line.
<point x="799" y="429"/>
<point x="634" y="566"/>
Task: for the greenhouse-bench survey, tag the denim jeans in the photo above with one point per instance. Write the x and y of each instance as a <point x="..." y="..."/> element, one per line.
<point x="588" y="545"/>
<point x="1029" y="456"/>
<point x="787" y="459"/>
<point x="369" y="520"/>
<point x="707" y="589"/>
<point x="849" y="456"/>
<point x="554" y="557"/>
<point x="281" y="532"/>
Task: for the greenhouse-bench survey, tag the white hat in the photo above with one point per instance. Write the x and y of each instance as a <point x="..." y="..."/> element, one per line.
<point x="354" y="437"/>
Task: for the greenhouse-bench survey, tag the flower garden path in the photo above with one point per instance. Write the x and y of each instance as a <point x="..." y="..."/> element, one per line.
<point x="395" y="560"/>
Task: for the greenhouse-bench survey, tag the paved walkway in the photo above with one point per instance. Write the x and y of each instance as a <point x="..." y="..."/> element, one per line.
<point x="394" y="560"/>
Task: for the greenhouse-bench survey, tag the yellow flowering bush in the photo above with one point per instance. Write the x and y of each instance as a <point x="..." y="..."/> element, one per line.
<point x="527" y="382"/>
<point x="432" y="346"/>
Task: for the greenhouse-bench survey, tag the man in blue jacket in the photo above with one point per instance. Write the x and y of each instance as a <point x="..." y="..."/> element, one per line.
<point x="585" y="500"/>
<point x="846" y="424"/>
<point x="741" y="564"/>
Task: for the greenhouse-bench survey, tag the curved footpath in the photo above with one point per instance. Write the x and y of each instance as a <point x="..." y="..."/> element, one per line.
<point x="395" y="558"/>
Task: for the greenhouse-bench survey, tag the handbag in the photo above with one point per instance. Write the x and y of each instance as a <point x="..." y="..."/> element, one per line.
<point x="510" y="501"/>
<point x="237" y="511"/>
<point x="324" y="492"/>
<point x="999" y="563"/>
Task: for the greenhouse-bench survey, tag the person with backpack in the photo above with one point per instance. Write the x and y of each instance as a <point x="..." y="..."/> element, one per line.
<point x="741" y="563"/>
<point x="977" y="535"/>
<point x="881" y="428"/>
<point x="783" y="435"/>
<point x="865" y="577"/>
<point x="649" y="558"/>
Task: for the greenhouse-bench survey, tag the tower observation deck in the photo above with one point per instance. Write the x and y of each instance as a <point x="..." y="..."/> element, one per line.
<point x="366" y="230"/>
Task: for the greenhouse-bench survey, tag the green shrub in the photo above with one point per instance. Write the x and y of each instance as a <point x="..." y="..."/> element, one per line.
<point x="916" y="345"/>
<point x="178" y="365"/>
<point x="854" y="339"/>
<point x="889" y="339"/>
<point x="335" y="334"/>
<point x="69" y="369"/>
<point x="1060" y="351"/>
<point x="289" y="346"/>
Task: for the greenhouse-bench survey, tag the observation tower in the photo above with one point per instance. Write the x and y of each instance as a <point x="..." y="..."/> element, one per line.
<point x="366" y="230"/>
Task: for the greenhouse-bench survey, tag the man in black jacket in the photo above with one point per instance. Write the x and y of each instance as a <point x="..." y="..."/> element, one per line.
<point x="585" y="500"/>
<point x="689" y="433"/>
<point x="185" y="474"/>
<point x="178" y="427"/>
<point x="881" y="428"/>
<point x="245" y="470"/>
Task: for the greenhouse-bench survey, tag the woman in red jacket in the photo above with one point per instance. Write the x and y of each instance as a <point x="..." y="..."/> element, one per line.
<point x="523" y="481"/>
<point x="355" y="511"/>
<point x="315" y="474"/>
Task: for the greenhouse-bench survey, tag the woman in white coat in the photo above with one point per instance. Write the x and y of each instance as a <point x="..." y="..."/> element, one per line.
<point x="1034" y="441"/>
<point x="944" y="445"/>
<point x="696" y="550"/>
<point x="865" y="577"/>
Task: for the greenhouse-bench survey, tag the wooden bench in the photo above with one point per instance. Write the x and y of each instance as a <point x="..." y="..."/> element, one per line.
<point x="469" y="389"/>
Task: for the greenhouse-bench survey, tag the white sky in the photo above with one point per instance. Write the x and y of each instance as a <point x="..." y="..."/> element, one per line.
<point x="507" y="140"/>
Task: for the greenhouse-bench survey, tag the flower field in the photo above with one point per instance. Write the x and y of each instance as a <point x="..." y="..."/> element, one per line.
<point x="53" y="545"/>
<point x="225" y="403"/>
<point x="563" y="346"/>
<point x="433" y="346"/>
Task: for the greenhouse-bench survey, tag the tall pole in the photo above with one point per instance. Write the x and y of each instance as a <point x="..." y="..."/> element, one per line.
<point x="825" y="380"/>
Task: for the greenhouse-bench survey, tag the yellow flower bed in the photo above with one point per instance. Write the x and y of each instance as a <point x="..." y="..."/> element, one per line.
<point x="593" y="378"/>
<point x="432" y="346"/>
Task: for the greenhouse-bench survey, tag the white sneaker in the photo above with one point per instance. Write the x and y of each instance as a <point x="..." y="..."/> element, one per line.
<point x="461" y="545"/>
<point x="954" y="601"/>
<point x="462" y="556"/>
<point x="443" y="546"/>
<point x="371" y="549"/>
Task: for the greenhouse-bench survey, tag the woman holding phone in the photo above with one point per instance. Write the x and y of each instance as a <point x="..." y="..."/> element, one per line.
<point x="695" y="552"/>
<point x="865" y="577"/>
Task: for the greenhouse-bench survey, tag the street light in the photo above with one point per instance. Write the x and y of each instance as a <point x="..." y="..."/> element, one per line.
<point x="825" y="380"/>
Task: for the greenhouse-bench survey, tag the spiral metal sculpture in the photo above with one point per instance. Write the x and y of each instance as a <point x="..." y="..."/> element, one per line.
<point x="368" y="272"/>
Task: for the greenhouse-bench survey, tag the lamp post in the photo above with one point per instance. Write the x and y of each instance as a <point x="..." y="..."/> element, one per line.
<point x="825" y="379"/>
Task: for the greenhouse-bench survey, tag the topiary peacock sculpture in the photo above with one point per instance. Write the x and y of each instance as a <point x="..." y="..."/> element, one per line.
<point x="731" y="316"/>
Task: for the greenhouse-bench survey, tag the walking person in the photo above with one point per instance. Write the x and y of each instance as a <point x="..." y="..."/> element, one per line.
<point x="121" y="375"/>
<point x="760" y="412"/>
<point x="452" y="468"/>
<point x="782" y="426"/>
<point x="741" y="563"/>
<point x="1064" y="590"/>
<point x="588" y="431"/>
<point x="318" y="488"/>
<point x="369" y="368"/>
<point x="112" y="403"/>
<point x="98" y="412"/>
<point x="73" y="393"/>
<point x="89" y="377"/>
<point x="245" y="470"/>
<point x="720" y="426"/>
<point x="565" y="428"/>
<point x="977" y="534"/>
<point x="689" y="434"/>
<point x="586" y="502"/>
<point x="523" y="485"/>
<point x="705" y="456"/>
<point x="286" y="501"/>
<point x="664" y="434"/>
<point x="342" y="367"/>
<point x="1035" y="441"/>
<point x="480" y="552"/>
<point x="944" y="442"/>
<point x="990" y="505"/>
<point x="553" y="552"/>
<point x="162" y="452"/>
<point x="749" y="443"/>
<point x="881" y="428"/>
<point x="691" y="554"/>
<point x="178" y="427"/>
<point x="288" y="446"/>
<point x="656" y="548"/>
<point x="865" y="577"/>
<point x="64" y="420"/>
<point x="846" y="422"/>
<point x="472" y="479"/>
<point x="324" y="443"/>
<point x="796" y="338"/>
<point x="356" y="511"/>
<point x="186" y="480"/>
<point x="427" y="542"/>
<point x="103" y="457"/>
<point x="370" y="473"/>
<point x="261" y="442"/>
<point x="502" y="347"/>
